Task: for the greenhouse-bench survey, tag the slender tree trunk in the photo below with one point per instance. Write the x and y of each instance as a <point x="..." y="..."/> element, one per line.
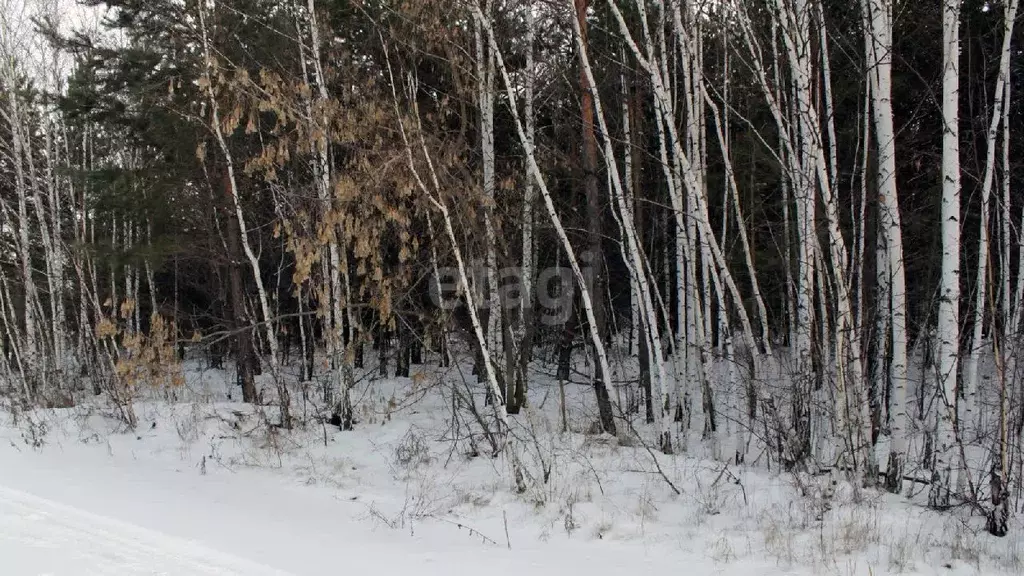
<point x="970" y="376"/>
<point x="526" y="328"/>
<point x="946" y="467"/>
<point x="340" y="296"/>
<point x="631" y="186"/>
<point x="490" y="309"/>
<point x="1005" y="353"/>
<point x="879" y="45"/>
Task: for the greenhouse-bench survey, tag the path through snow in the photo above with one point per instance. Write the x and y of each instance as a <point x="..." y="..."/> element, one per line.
<point x="72" y="511"/>
<point x="39" y="536"/>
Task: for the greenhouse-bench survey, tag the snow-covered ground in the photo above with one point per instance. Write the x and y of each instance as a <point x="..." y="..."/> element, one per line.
<point x="204" y="486"/>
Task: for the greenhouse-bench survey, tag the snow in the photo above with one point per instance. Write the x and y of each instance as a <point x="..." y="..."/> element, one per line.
<point x="205" y="486"/>
<point x="133" y="517"/>
<point x="45" y="537"/>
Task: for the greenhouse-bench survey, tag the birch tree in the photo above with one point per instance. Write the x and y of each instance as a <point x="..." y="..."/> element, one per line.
<point x="526" y="327"/>
<point x="484" y="62"/>
<point x="946" y="465"/>
<point x="29" y="357"/>
<point x="970" y="377"/>
<point x="878" y="32"/>
<point x="337" y="278"/>
<point x="1004" y="351"/>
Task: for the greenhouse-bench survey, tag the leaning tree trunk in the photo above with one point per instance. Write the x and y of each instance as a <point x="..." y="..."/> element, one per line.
<point x="549" y="205"/>
<point x="970" y="421"/>
<point x="268" y="319"/>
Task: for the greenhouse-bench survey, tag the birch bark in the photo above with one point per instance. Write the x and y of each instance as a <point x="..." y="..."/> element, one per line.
<point x="879" y="46"/>
<point x="946" y="468"/>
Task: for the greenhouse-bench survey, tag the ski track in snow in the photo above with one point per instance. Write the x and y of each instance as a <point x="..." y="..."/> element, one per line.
<point x="57" y="539"/>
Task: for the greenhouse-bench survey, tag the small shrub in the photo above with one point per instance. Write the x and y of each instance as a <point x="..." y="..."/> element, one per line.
<point x="722" y="550"/>
<point x="901" y="554"/>
<point x="856" y="531"/>
<point x="412" y="451"/>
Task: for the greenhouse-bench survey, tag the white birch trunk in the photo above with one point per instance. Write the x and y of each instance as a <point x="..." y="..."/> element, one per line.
<point x="485" y="103"/>
<point x="1011" y="309"/>
<point x="880" y="57"/>
<point x="30" y="349"/>
<point x="56" y="256"/>
<point x="946" y="464"/>
<point x="529" y="194"/>
<point x="337" y="254"/>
